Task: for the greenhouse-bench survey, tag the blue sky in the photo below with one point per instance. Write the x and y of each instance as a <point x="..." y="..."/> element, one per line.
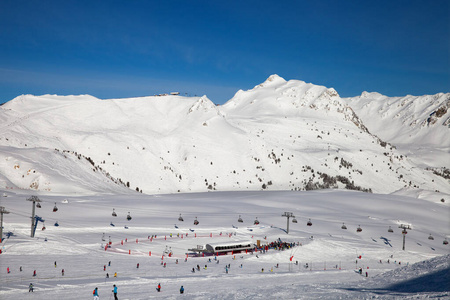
<point x="117" y="49"/>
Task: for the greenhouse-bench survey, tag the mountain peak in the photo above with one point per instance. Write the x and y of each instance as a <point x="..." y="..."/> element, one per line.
<point x="271" y="80"/>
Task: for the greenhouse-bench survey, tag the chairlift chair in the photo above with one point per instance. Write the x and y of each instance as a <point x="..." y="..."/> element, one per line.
<point x="55" y="209"/>
<point x="256" y="221"/>
<point x="294" y="220"/>
<point x="309" y="223"/>
<point x="343" y="226"/>
<point x="195" y="221"/>
<point x="128" y="216"/>
<point x="430" y="237"/>
<point x="445" y="242"/>
<point x="240" y="219"/>
<point x="390" y="229"/>
<point x="38" y="205"/>
<point x="114" y="213"/>
<point x="180" y="218"/>
<point x="359" y="229"/>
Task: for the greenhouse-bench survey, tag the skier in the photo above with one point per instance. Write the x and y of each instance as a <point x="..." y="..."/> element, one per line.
<point x="34" y="273"/>
<point x="109" y="264"/>
<point x="115" y="274"/>
<point x="115" y="292"/>
<point x="30" y="288"/>
<point x="7" y="269"/>
<point x="55" y="264"/>
<point x="62" y="272"/>
<point x="107" y="275"/>
<point x="181" y="290"/>
<point x="104" y="267"/>
<point x="95" y="293"/>
<point x="159" y="287"/>
<point x="137" y="266"/>
<point x="193" y="270"/>
<point x="20" y="268"/>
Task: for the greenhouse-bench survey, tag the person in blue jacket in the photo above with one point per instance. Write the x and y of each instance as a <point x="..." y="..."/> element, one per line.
<point x="95" y="293"/>
<point x="181" y="290"/>
<point x="115" y="292"/>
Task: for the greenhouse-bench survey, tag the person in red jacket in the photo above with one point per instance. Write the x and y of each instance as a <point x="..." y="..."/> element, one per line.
<point x="159" y="287"/>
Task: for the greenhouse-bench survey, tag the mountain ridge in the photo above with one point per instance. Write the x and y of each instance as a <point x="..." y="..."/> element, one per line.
<point x="280" y="135"/>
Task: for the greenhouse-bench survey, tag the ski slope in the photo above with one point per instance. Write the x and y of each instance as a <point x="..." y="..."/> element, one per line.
<point x="332" y="253"/>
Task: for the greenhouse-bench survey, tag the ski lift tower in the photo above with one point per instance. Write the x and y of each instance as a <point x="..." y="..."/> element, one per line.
<point x="33" y="199"/>
<point x="404" y="232"/>
<point x="2" y="211"/>
<point x="288" y="215"/>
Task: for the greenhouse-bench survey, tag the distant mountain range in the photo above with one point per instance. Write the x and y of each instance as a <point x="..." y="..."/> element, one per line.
<point x="280" y="135"/>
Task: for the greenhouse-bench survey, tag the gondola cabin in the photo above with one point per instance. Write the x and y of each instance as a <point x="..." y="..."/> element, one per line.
<point x="38" y="205"/>
<point x="430" y="237"/>
<point x="256" y="221"/>
<point x="196" y="221"/>
<point x="114" y="213"/>
<point x="309" y="223"/>
<point x="229" y="247"/>
<point x="343" y="226"/>
<point x="390" y="229"/>
<point x="359" y="229"/>
<point x="294" y="220"/>
<point x="55" y="209"/>
<point x="128" y="216"/>
<point x="180" y="218"/>
<point x="445" y="242"/>
<point x="240" y="219"/>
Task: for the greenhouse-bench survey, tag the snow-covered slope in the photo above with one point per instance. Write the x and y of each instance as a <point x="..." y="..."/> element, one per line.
<point x="325" y="259"/>
<point x="418" y="125"/>
<point x="280" y="135"/>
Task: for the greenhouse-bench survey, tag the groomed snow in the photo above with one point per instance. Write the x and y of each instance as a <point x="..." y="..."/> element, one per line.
<point x="330" y="252"/>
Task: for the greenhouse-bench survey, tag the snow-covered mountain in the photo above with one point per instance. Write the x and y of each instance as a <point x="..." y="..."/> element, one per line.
<point x="280" y="135"/>
<point x="418" y="125"/>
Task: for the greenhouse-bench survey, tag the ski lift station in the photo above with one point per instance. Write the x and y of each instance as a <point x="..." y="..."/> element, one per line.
<point x="224" y="248"/>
